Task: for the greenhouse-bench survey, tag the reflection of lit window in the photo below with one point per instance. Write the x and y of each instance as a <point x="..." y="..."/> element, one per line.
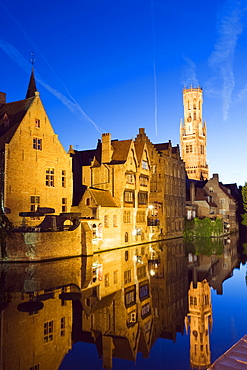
<point x="64" y="205"/>
<point x="127" y="276"/>
<point x="130" y="297"/>
<point x="145" y="310"/>
<point x="48" y="331"/>
<point x="106" y="280"/>
<point x="106" y="221"/>
<point x="35" y="367"/>
<point x="144" y="291"/>
<point x="62" y="327"/>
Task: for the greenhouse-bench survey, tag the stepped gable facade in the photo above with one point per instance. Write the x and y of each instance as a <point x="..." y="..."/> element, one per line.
<point x="35" y="169"/>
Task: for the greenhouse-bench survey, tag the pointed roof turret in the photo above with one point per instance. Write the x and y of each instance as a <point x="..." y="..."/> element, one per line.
<point x="31" y="86"/>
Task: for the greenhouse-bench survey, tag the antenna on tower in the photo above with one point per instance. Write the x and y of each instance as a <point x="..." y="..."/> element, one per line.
<point x="32" y="59"/>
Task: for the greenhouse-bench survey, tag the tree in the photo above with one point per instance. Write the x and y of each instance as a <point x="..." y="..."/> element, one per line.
<point x="244" y="197"/>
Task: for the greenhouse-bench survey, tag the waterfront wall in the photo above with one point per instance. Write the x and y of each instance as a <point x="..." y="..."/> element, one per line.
<point x="38" y="246"/>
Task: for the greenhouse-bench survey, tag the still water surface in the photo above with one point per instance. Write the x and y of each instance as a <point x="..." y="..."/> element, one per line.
<point x="155" y="306"/>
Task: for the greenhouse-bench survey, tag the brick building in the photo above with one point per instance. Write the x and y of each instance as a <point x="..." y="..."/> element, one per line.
<point x="35" y="169"/>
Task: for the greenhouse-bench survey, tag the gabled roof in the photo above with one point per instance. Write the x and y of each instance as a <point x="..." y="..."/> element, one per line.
<point x="202" y="195"/>
<point x="120" y="151"/>
<point x="11" y="115"/>
<point x="139" y="147"/>
<point x="102" y="198"/>
<point x="225" y="190"/>
<point x="162" y="146"/>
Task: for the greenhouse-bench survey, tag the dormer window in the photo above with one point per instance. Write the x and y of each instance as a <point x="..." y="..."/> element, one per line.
<point x="37" y="123"/>
<point x="5" y="120"/>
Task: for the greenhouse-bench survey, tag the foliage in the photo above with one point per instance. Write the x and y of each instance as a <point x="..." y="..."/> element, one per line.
<point x="201" y="228"/>
<point x="6" y="228"/>
<point x="244" y="198"/>
<point x="205" y="246"/>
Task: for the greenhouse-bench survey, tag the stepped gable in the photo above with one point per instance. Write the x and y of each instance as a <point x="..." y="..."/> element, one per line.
<point x="11" y="115"/>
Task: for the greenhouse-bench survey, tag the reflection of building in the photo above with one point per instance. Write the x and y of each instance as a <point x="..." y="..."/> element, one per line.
<point x="36" y="171"/>
<point x="169" y="287"/>
<point x="35" y="330"/>
<point x="115" y="310"/>
<point x="193" y="139"/>
<point x="210" y="198"/>
<point x="199" y="319"/>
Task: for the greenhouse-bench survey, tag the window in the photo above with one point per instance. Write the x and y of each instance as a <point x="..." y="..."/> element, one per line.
<point x="141" y="216"/>
<point x="63" y="179"/>
<point x="142" y="198"/>
<point x="37" y="123"/>
<point x="114" y="220"/>
<point x="141" y="272"/>
<point x="62" y="327"/>
<point x="106" y="280"/>
<point x="64" y="205"/>
<point x="129" y="197"/>
<point x="115" y="277"/>
<point x="87" y="202"/>
<point x="145" y="310"/>
<point x="130" y="178"/>
<point x="48" y="331"/>
<point x="127" y="276"/>
<point x="144" y="165"/>
<point x="49" y="179"/>
<point x="37" y="143"/>
<point x="34" y="203"/>
<point x="126" y="217"/>
<point x="189" y="148"/>
<point x="144" y="291"/>
<point x="143" y="181"/>
<point x="126" y="237"/>
<point x="106" y="221"/>
<point x="126" y="255"/>
<point x="130" y="298"/>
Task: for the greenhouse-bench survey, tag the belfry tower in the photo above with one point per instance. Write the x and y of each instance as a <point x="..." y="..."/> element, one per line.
<point x="193" y="135"/>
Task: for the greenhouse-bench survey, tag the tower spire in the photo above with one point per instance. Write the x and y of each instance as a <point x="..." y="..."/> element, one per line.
<point x="32" y="84"/>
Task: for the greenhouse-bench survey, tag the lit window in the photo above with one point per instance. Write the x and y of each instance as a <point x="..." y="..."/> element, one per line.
<point x="62" y="332"/>
<point x="144" y="165"/>
<point x="37" y="143"/>
<point x="64" y="205"/>
<point x="130" y="178"/>
<point x="34" y="203"/>
<point x="142" y="198"/>
<point x="48" y="331"/>
<point x="128" y="196"/>
<point x="49" y="180"/>
<point x="63" y="178"/>
<point x="114" y="220"/>
<point x="126" y="217"/>
<point x="37" y="123"/>
<point x="143" y="181"/>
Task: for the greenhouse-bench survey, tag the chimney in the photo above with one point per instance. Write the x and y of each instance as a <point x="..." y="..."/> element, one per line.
<point x="2" y="98"/>
<point x="106" y="148"/>
<point x="216" y="177"/>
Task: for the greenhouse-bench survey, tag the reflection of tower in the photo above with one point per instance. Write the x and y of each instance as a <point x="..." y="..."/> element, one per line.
<point x="193" y="135"/>
<point x="199" y="319"/>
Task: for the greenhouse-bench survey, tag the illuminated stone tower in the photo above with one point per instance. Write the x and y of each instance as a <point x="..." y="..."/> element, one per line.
<point x="199" y="319"/>
<point x="193" y="138"/>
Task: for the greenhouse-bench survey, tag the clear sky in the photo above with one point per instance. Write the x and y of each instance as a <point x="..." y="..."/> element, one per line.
<point x="118" y="65"/>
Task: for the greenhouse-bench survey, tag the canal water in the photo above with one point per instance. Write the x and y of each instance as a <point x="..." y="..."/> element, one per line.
<point x="167" y="305"/>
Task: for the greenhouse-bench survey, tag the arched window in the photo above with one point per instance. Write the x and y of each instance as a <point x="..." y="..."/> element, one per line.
<point x="87" y="202"/>
<point x="126" y="237"/>
<point x="126" y="254"/>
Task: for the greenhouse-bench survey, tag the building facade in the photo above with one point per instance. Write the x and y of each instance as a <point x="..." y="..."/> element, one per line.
<point x="35" y="169"/>
<point x="193" y="135"/>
